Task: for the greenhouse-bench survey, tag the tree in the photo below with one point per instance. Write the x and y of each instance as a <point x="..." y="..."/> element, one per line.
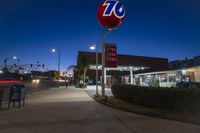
<point x="82" y="68"/>
<point x="74" y="69"/>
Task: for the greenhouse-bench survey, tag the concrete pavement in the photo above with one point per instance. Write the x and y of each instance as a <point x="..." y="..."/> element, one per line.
<point x="91" y="90"/>
<point x="61" y="110"/>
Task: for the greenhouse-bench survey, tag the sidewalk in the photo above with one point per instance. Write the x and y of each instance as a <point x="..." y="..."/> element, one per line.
<point x="91" y="90"/>
<point x="50" y="110"/>
<point x="71" y="110"/>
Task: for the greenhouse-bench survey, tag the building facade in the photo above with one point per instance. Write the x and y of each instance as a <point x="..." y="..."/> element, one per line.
<point x="169" y="78"/>
<point x="127" y="66"/>
<point x="180" y="64"/>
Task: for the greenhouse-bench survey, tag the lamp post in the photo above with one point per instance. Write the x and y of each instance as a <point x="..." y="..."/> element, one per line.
<point x="94" y="47"/>
<point x="54" y="51"/>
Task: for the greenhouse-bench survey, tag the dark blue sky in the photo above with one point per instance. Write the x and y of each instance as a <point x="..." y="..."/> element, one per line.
<point x="160" y="28"/>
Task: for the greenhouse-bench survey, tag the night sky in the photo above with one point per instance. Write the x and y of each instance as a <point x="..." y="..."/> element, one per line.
<point x="29" y="29"/>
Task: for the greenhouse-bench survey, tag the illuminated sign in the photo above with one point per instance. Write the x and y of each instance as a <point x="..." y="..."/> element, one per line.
<point x="111" y="55"/>
<point x="111" y="14"/>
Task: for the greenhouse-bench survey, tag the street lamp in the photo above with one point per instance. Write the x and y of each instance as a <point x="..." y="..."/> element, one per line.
<point x="14" y="57"/>
<point x="94" y="47"/>
<point x="6" y="60"/>
<point x="54" y="51"/>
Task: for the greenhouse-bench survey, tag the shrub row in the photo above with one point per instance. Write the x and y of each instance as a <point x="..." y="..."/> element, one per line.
<point x="172" y="99"/>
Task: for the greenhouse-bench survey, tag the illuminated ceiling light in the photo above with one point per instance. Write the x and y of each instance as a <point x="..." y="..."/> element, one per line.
<point x="136" y="69"/>
<point x="184" y="71"/>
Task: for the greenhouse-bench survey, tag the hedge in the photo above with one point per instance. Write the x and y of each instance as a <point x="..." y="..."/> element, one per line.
<point x="172" y="99"/>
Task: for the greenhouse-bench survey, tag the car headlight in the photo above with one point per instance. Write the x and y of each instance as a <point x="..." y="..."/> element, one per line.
<point x="36" y="81"/>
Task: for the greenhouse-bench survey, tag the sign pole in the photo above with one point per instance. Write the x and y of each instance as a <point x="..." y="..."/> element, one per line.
<point x="97" y="71"/>
<point x="110" y="14"/>
<point x="103" y="60"/>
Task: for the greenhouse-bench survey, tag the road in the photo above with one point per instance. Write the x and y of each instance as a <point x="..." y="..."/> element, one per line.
<point x="61" y="110"/>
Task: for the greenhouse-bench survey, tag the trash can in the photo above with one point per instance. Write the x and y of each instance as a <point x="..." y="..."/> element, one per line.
<point x="17" y="94"/>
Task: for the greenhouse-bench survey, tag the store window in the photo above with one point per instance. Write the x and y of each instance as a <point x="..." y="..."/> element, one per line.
<point x="172" y="79"/>
<point x="163" y="78"/>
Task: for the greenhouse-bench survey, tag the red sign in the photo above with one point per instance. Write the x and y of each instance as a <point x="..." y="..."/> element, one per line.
<point x="111" y="55"/>
<point x="110" y="14"/>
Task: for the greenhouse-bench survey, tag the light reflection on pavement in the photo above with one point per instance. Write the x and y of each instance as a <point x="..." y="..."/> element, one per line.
<point x="91" y="90"/>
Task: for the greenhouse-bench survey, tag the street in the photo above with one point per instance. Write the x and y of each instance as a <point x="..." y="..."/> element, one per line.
<point x="63" y="110"/>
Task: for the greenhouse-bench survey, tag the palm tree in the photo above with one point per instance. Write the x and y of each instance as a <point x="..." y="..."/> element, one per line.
<point x="82" y="68"/>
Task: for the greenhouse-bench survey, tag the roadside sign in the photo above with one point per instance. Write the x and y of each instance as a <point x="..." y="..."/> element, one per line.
<point x="111" y="14"/>
<point x="56" y="74"/>
<point x="111" y="55"/>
